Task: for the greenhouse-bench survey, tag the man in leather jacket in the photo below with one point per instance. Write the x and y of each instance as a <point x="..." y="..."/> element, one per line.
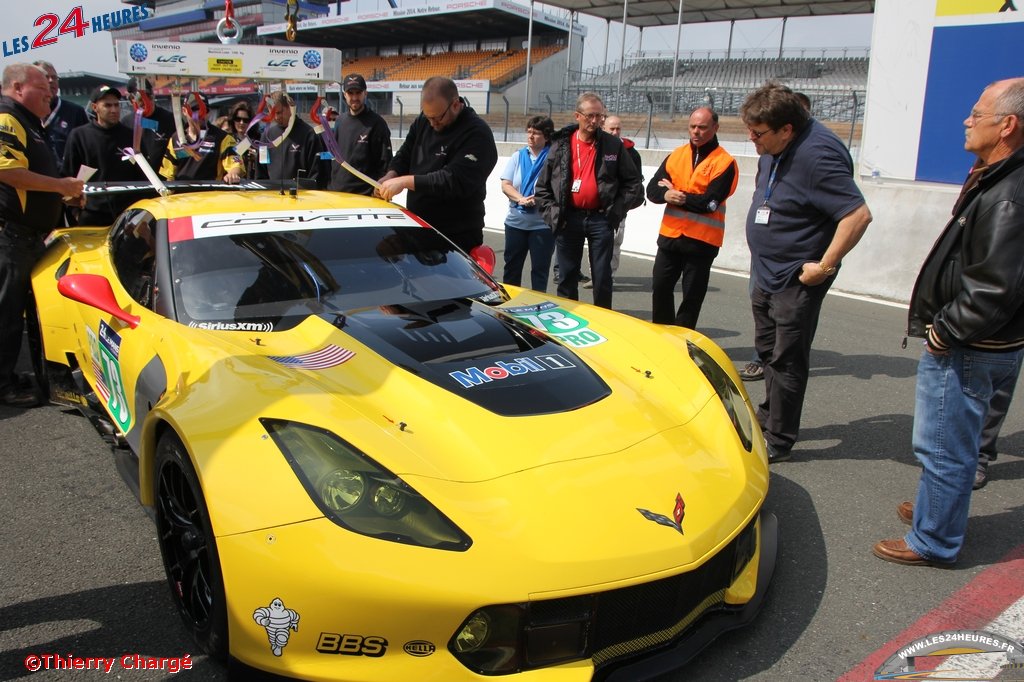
<point x="584" y="191"/>
<point x="968" y="304"/>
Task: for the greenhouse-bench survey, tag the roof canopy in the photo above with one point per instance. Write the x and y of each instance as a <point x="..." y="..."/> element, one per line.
<point x="648" y="13"/>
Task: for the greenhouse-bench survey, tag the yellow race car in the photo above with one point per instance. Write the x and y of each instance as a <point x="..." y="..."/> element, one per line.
<point x="367" y="460"/>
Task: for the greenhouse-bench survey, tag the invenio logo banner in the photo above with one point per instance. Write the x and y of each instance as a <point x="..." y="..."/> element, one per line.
<point x="950" y="644"/>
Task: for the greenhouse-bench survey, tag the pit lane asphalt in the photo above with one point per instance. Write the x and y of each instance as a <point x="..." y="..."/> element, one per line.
<point x="80" y="571"/>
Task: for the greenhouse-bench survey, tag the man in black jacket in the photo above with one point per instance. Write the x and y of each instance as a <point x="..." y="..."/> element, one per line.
<point x="64" y="114"/>
<point x="288" y="154"/>
<point x="444" y="163"/>
<point x="364" y="140"/>
<point x="968" y="304"/>
<point x="100" y="145"/>
<point x="30" y="206"/>
<point x="584" y="191"/>
<point x="158" y="127"/>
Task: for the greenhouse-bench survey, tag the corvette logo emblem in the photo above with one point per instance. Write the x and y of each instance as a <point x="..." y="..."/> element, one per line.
<point x="677" y="515"/>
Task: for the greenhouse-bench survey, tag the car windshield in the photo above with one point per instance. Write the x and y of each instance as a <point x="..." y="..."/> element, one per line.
<point x="261" y="280"/>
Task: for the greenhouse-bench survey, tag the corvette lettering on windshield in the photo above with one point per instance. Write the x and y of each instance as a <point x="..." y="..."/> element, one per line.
<point x="474" y="376"/>
<point x="230" y="224"/>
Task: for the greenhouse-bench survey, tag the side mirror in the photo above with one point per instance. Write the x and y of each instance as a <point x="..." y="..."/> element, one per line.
<point x="484" y="257"/>
<point x="94" y="291"/>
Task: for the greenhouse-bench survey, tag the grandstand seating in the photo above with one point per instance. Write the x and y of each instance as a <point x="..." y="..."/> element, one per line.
<point x="500" y="67"/>
<point x="836" y="85"/>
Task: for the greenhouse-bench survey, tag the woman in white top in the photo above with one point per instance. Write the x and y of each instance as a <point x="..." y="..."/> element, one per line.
<point x="525" y="229"/>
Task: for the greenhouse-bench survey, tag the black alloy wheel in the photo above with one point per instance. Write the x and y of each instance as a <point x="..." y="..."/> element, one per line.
<point x="189" y="548"/>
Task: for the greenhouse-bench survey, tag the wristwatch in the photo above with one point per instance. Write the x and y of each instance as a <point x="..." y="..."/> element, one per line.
<point x="828" y="270"/>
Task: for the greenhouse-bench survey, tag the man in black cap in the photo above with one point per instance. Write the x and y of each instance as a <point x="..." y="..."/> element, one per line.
<point x="64" y="115"/>
<point x="30" y="206"/>
<point x="288" y="154"/>
<point x="100" y="145"/>
<point x="364" y="140"/>
<point x="159" y="124"/>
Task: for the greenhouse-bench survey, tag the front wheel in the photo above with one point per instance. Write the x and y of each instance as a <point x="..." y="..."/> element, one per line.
<point x="189" y="548"/>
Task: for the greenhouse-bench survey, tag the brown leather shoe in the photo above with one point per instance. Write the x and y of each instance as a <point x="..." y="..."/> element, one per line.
<point x="905" y="510"/>
<point x="897" y="552"/>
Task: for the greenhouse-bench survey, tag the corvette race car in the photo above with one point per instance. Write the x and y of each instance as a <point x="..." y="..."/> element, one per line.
<point x="367" y="460"/>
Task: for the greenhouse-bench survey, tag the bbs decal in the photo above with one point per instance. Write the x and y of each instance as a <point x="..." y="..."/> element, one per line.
<point x="351" y="645"/>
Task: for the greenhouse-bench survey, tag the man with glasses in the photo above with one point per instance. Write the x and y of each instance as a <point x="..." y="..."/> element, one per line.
<point x="64" y="115"/>
<point x="364" y="140"/>
<point x="30" y="207"/>
<point x="968" y="305"/>
<point x="584" y="191"/>
<point x="806" y="215"/>
<point x="444" y="163"/>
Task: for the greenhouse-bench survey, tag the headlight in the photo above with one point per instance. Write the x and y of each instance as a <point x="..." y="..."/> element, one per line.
<point x="509" y="638"/>
<point x="728" y="393"/>
<point x="357" y="493"/>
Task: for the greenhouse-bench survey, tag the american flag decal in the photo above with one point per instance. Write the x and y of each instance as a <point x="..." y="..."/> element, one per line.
<point x="328" y="356"/>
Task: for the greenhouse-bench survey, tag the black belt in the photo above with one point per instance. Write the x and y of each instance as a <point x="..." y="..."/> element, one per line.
<point x="587" y="211"/>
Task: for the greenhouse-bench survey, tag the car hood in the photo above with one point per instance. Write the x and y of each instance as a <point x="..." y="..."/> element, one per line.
<point x="461" y="391"/>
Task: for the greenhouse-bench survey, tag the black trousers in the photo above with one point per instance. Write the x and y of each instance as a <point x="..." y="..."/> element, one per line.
<point x="689" y="259"/>
<point x="590" y="227"/>
<point x="784" y="327"/>
<point x="20" y="249"/>
<point x="997" y="409"/>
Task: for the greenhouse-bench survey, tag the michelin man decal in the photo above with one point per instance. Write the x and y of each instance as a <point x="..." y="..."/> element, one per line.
<point x="278" y="622"/>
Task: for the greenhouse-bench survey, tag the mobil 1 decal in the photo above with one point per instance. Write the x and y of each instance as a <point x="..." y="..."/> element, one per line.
<point x="570" y="329"/>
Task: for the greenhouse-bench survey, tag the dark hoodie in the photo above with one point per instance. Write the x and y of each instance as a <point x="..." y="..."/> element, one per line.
<point x="451" y="168"/>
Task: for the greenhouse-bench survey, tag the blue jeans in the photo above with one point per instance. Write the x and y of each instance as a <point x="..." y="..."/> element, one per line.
<point x="590" y="227"/>
<point x="953" y="395"/>
<point x="540" y="244"/>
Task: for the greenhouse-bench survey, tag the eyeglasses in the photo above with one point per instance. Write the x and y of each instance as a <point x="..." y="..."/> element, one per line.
<point x="591" y="117"/>
<point x="975" y="115"/>
<point x="758" y="134"/>
<point x="438" y="119"/>
<point x="241" y="119"/>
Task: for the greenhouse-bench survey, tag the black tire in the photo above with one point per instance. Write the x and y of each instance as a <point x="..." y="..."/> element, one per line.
<point x="189" y="548"/>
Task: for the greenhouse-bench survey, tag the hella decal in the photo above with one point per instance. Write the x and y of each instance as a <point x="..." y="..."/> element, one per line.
<point x="351" y="645"/>
<point x="474" y="376"/>
<point x="419" y="648"/>
<point x="677" y="515"/>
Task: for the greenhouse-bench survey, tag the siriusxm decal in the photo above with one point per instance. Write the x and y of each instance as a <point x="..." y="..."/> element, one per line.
<point x="311" y="59"/>
<point x="138" y="52"/>
<point x="474" y="376"/>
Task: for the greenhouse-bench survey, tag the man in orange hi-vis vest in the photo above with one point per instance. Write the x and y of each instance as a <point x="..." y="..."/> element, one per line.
<point x="693" y="183"/>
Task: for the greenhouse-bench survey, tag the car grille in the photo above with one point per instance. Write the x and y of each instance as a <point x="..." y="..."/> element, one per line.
<point x="633" y="620"/>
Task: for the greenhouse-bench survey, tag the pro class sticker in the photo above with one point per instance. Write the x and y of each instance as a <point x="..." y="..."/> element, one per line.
<point x="572" y="330"/>
<point x="106" y="366"/>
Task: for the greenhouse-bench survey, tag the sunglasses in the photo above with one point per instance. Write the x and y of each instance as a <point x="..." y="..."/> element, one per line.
<point x="242" y="119"/>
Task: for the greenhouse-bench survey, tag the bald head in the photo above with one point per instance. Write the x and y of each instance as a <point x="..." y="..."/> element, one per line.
<point x="613" y="126"/>
<point x="439" y="102"/>
<point x="703" y="126"/>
